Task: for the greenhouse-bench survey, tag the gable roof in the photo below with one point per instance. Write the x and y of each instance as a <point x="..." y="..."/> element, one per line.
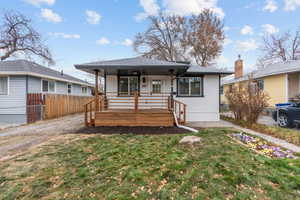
<point x="142" y="63"/>
<point x="24" y="67"/>
<point x="272" y="69"/>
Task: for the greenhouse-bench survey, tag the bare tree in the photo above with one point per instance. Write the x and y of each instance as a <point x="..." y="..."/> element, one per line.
<point x="163" y="38"/>
<point x="282" y="47"/>
<point x="205" y="37"/>
<point x="17" y="35"/>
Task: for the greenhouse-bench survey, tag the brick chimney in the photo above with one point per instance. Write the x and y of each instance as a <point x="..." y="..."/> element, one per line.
<point x="238" y="68"/>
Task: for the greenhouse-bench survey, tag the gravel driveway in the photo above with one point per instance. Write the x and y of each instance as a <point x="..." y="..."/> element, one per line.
<point x="18" y="139"/>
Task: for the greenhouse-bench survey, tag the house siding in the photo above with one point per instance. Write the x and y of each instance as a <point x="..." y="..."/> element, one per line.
<point x="34" y="84"/>
<point x="204" y="108"/>
<point x="13" y="105"/>
<point x="276" y="87"/>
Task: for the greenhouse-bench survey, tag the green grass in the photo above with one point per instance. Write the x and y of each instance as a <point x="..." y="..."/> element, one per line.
<point x="149" y="167"/>
<point x="290" y="135"/>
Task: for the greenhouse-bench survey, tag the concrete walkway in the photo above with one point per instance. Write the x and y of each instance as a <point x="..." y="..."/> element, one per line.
<point x="226" y="124"/>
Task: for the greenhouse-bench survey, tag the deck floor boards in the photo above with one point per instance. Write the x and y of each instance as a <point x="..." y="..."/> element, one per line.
<point x="128" y="117"/>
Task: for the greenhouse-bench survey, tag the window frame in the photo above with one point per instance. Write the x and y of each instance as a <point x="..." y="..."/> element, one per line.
<point x="86" y="89"/>
<point x="8" y="81"/>
<point x="201" y="86"/>
<point x="261" y="82"/>
<point x="48" y="80"/>
<point x="128" y="76"/>
<point x="71" y="88"/>
<point x="156" y="80"/>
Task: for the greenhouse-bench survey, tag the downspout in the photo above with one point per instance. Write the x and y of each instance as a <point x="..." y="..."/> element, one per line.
<point x="184" y="127"/>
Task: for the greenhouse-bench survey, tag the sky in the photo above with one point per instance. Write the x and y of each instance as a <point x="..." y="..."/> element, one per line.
<point x="80" y="31"/>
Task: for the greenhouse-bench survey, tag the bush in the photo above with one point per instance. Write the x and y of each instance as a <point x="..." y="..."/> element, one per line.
<point x="247" y="101"/>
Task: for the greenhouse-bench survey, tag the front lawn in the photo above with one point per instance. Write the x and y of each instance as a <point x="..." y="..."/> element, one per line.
<point x="149" y="167"/>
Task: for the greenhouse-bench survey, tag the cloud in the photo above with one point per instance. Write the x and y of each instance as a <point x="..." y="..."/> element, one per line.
<point x="227" y="41"/>
<point x="92" y="17"/>
<point x="178" y="7"/>
<point x="150" y="7"/>
<point x="103" y="41"/>
<point x="40" y="2"/>
<point x="50" y="16"/>
<point x="270" y="6"/>
<point x="226" y="28"/>
<point x="247" y="30"/>
<point x="127" y="42"/>
<point x="188" y="7"/>
<point x="65" y="36"/>
<point x="269" y="29"/>
<point x="291" y="5"/>
<point x="247" y="45"/>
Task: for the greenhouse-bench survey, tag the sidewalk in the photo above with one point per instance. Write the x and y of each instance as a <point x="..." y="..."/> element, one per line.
<point x="226" y="124"/>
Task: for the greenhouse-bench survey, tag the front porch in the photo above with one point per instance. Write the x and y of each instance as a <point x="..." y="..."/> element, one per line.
<point x="138" y="110"/>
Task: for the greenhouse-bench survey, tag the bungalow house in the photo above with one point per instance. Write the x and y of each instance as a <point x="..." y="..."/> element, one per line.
<point x="281" y="81"/>
<point x="146" y="92"/>
<point x="20" y="77"/>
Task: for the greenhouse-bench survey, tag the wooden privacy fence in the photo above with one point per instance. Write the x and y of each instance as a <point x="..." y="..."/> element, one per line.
<point x="60" y="105"/>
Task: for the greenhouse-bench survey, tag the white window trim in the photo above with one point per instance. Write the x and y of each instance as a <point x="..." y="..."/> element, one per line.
<point x="86" y="90"/>
<point x="48" y="86"/>
<point x="189" y="95"/>
<point x="8" y="83"/>
<point x="161" y="86"/>
<point x="68" y="88"/>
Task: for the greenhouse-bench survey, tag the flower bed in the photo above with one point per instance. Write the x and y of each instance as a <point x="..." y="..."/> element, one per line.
<point x="263" y="146"/>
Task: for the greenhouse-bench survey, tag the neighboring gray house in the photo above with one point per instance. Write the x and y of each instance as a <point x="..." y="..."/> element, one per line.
<point x="20" y="77"/>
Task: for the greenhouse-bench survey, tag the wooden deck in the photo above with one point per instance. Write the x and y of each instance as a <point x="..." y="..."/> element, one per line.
<point x="124" y="117"/>
<point x="134" y="111"/>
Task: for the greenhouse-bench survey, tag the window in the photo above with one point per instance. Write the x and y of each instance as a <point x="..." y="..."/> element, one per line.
<point x="3" y="85"/>
<point x="260" y="84"/>
<point x="84" y="90"/>
<point x="221" y="90"/>
<point x="156" y="86"/>
<point x="128" y="85"/>
<point x="48" y="86"/>
<point x="69" y="88"/>
<point x="190" y="86"/>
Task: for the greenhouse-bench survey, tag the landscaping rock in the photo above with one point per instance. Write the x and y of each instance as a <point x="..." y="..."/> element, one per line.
<point x="190" y="140"/>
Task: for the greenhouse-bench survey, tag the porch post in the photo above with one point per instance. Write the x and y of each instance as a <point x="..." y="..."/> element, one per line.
<point x="97" y="90"/>
<point x="172" y="90"/>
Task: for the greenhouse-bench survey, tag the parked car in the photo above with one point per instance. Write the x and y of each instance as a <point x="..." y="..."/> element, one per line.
<point x="287" y="116"/>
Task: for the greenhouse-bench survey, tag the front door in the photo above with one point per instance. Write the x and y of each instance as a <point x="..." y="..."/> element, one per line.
<point x="128" y="85"/>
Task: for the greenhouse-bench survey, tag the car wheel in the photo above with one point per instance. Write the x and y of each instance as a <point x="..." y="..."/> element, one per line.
<point x="283" y="121"/>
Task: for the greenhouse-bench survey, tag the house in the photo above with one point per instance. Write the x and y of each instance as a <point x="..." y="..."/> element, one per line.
<point x="281" y="81"/>
<point x="145" y="92"/>
<point x="18" y="78"/>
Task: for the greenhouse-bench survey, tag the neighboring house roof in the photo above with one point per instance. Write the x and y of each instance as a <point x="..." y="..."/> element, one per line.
<point x="24" y="67"/>
<point x="272" y="69"/>
<point x="206" y="70"/>
<point x="142" y="63"/>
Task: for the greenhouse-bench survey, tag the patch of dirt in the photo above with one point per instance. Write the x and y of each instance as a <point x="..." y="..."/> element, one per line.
<point x="18" y="139"/>
<point x="132" y="130"/>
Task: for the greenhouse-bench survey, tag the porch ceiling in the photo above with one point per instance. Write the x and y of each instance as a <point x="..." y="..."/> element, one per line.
<point x="126" y="70"/>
